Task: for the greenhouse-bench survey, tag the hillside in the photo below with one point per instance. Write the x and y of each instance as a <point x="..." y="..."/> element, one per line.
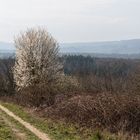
<point x="116" y="49"/>
<point x="6" y="46"/>
<point x="113" y="47"/>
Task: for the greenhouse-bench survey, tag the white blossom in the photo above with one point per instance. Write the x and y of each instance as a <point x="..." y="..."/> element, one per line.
<point x="36" y="58"/>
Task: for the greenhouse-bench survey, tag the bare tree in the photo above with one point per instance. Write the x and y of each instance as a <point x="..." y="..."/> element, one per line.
<point x="7" y="85"/>
<point x="37" y="60"/>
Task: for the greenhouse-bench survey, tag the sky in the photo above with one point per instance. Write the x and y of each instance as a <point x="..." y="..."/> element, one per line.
<point x="72" y="20"/>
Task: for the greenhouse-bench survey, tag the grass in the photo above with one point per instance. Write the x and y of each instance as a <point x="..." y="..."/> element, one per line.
<point x="55" y="131"/>
<point x="58" y="130"/>
<point x="5" y="131"/>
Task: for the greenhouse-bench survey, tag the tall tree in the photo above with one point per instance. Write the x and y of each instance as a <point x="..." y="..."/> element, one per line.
<point x="36" y="59"/>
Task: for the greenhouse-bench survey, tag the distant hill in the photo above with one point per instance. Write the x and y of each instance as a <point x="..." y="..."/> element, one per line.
<point x="6" y="50"/>
<point x="109" y="47"/>
<point x="6" y="46"/>
<point x="116" y="49"/>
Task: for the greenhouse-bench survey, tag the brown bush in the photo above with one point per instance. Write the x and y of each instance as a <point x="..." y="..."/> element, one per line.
<point x="106" y="111"/>
<point x="36" y="96"/>
<point x="42" y="95"/>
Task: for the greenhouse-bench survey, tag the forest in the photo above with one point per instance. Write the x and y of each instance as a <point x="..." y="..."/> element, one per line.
<point x="93" y="74"/>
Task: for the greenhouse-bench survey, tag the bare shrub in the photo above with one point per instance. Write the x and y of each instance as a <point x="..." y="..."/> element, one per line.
<point x="36" y="97"/>
<point x="7" y="85"/>
<point x="105" y="111"/>
<point x="107" y="83"/>
<point x="68" y="84"/>
<point x="133" y="81"/>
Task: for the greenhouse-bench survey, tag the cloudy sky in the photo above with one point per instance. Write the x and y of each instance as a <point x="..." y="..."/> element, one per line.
<point x="72" y="20"/>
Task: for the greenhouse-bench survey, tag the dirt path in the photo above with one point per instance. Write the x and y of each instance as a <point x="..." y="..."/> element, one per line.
<point x="35" y="131"/>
